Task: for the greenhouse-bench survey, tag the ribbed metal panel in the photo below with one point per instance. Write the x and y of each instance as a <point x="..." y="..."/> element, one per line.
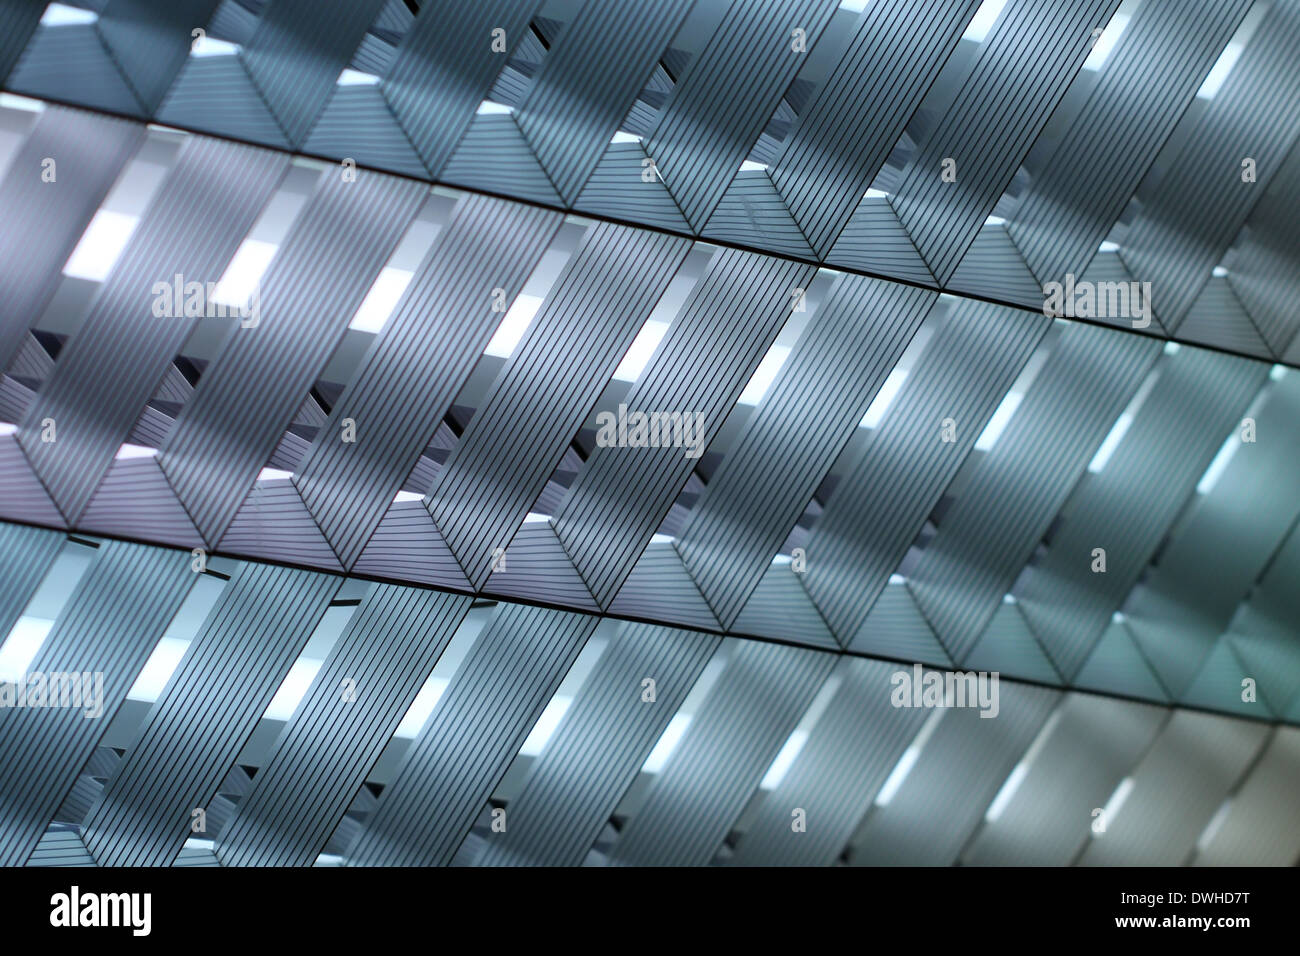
<point x="408" y="378"/>
<point x="881" y="504"/>
<point x="1020" y="72"/>
<point x="1264" y="278"/>
<point x="1222" y="544"/>
<point x="1018" y="486"/>
<point x="25" y="556"/>
<point x="1078" y="192"/>
<point x="717" y="110"/>
<point x="547" y="387"/>
<point x="722" y="756"/>
<point x="319" y="277"/>
<point x="808" y="415"/>
<point x="848" y="129"/>
<point x="1173" y="243"/>
<point x="847" y="756"/>
<point x="43" y="221"/>
<point x="313" y="770"/>
<point x="480" y="723"/>
<point x="110" y="625"/>
<point x="1177" y="787"/>
<point x="604" y="740"/>
<point x="150" y="41"/>
<point x="19" y="19"/>
<point x="588" y="82"/>
<point x="1091" y="744"/>
<point x="1197" y="398"/>
<point x="296" y="56"/>
<point x="210" y="706"/>
<point x="710" y="351"/>
<point x="1262" y="825"/>
<point x="445" y="67"/>
<point x="122" y="349"/>
<point x="952" y="782"/>
<point x="538" y="569"/>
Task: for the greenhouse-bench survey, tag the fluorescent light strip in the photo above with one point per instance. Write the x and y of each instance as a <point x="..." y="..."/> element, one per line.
<point x="884" y="398"/>
<point x="999" y="422"/>
<point x="642" y="350"/>
<point x="135" y="451"/>
<point x="378" y="305"/>
<point x="24" y="103"/>
<point x="546" y="726"/>
<point x="356" y="78"/>
<point x="100" y="246"/>
<point x="909" y="758"/>
<point x="1218" y="74"/>
<point x="786" y="757"/>
<point x="985" y="17"/>
<point x="273" y="474"/>
<point x="1219" y="464"/>
<point x="748" y="165"/>
<point x="1112" y="807"/>
<point x="8" y="428"/>
<point x="513" y="326"/>
<point x="21" y="647"/>
<point x="1021" y="770"/>
<point x="764" y="375"/>
<point x="875" y="194"/>
<point x="854" y="6"/>
<point x="1108" y="246"/>
<point x="490" y="108"/>
<point x="1215" y="824"/>
<point x="158" y="670"/>
<point x="245" y="271"/>
<point x="622" y="137"/>
<point x="407" y="496"/>
<point x="62" y="15"/>
<point x="1101" y="50"/>
<point x="1122" y="424"/>
<point x="210" y="46"/>
<point x="294" y="689"/>
<point x="422" y="707"/>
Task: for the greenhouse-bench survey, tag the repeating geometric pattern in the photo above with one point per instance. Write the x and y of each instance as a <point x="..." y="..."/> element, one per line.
<point x="339" y="309"/>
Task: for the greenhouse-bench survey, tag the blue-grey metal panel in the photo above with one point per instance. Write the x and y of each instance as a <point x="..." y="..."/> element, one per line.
<point x="43" y="221"/>
<point x="589" y="80"/>
<point x="296" y="55"/>
<point x="848" y="754"/>
<point x="120" y="352"/>
<point x="547" y="387"/>
<point x="1020" y="72"/>
<point x="886" y="60"/>
<point x="478" y="726"/>
<point x="952" y="781"/>
<point x="811" y="410"/>
<point x="1078" y="192"/>
<point x="718" y="108"/>
<point x="445" y="67"/>
<point x="25" y="556"/>
<point x="722" y="755"/>
<point x="882" y="502"/>
<point x="1177" y="787"/>
<point x="1016" y="488"/>
<point x="409" y="376"/>
<point x="713" y="346"/>
<point x="315" y="766"/>
<point x="106" y="632"/>
<point x="1133" y="500"/>
<point x="314" y="285"/>
<point x="201" y="721"/>
<point x="603" y="741"/>
<point x="1087" y="747"/>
